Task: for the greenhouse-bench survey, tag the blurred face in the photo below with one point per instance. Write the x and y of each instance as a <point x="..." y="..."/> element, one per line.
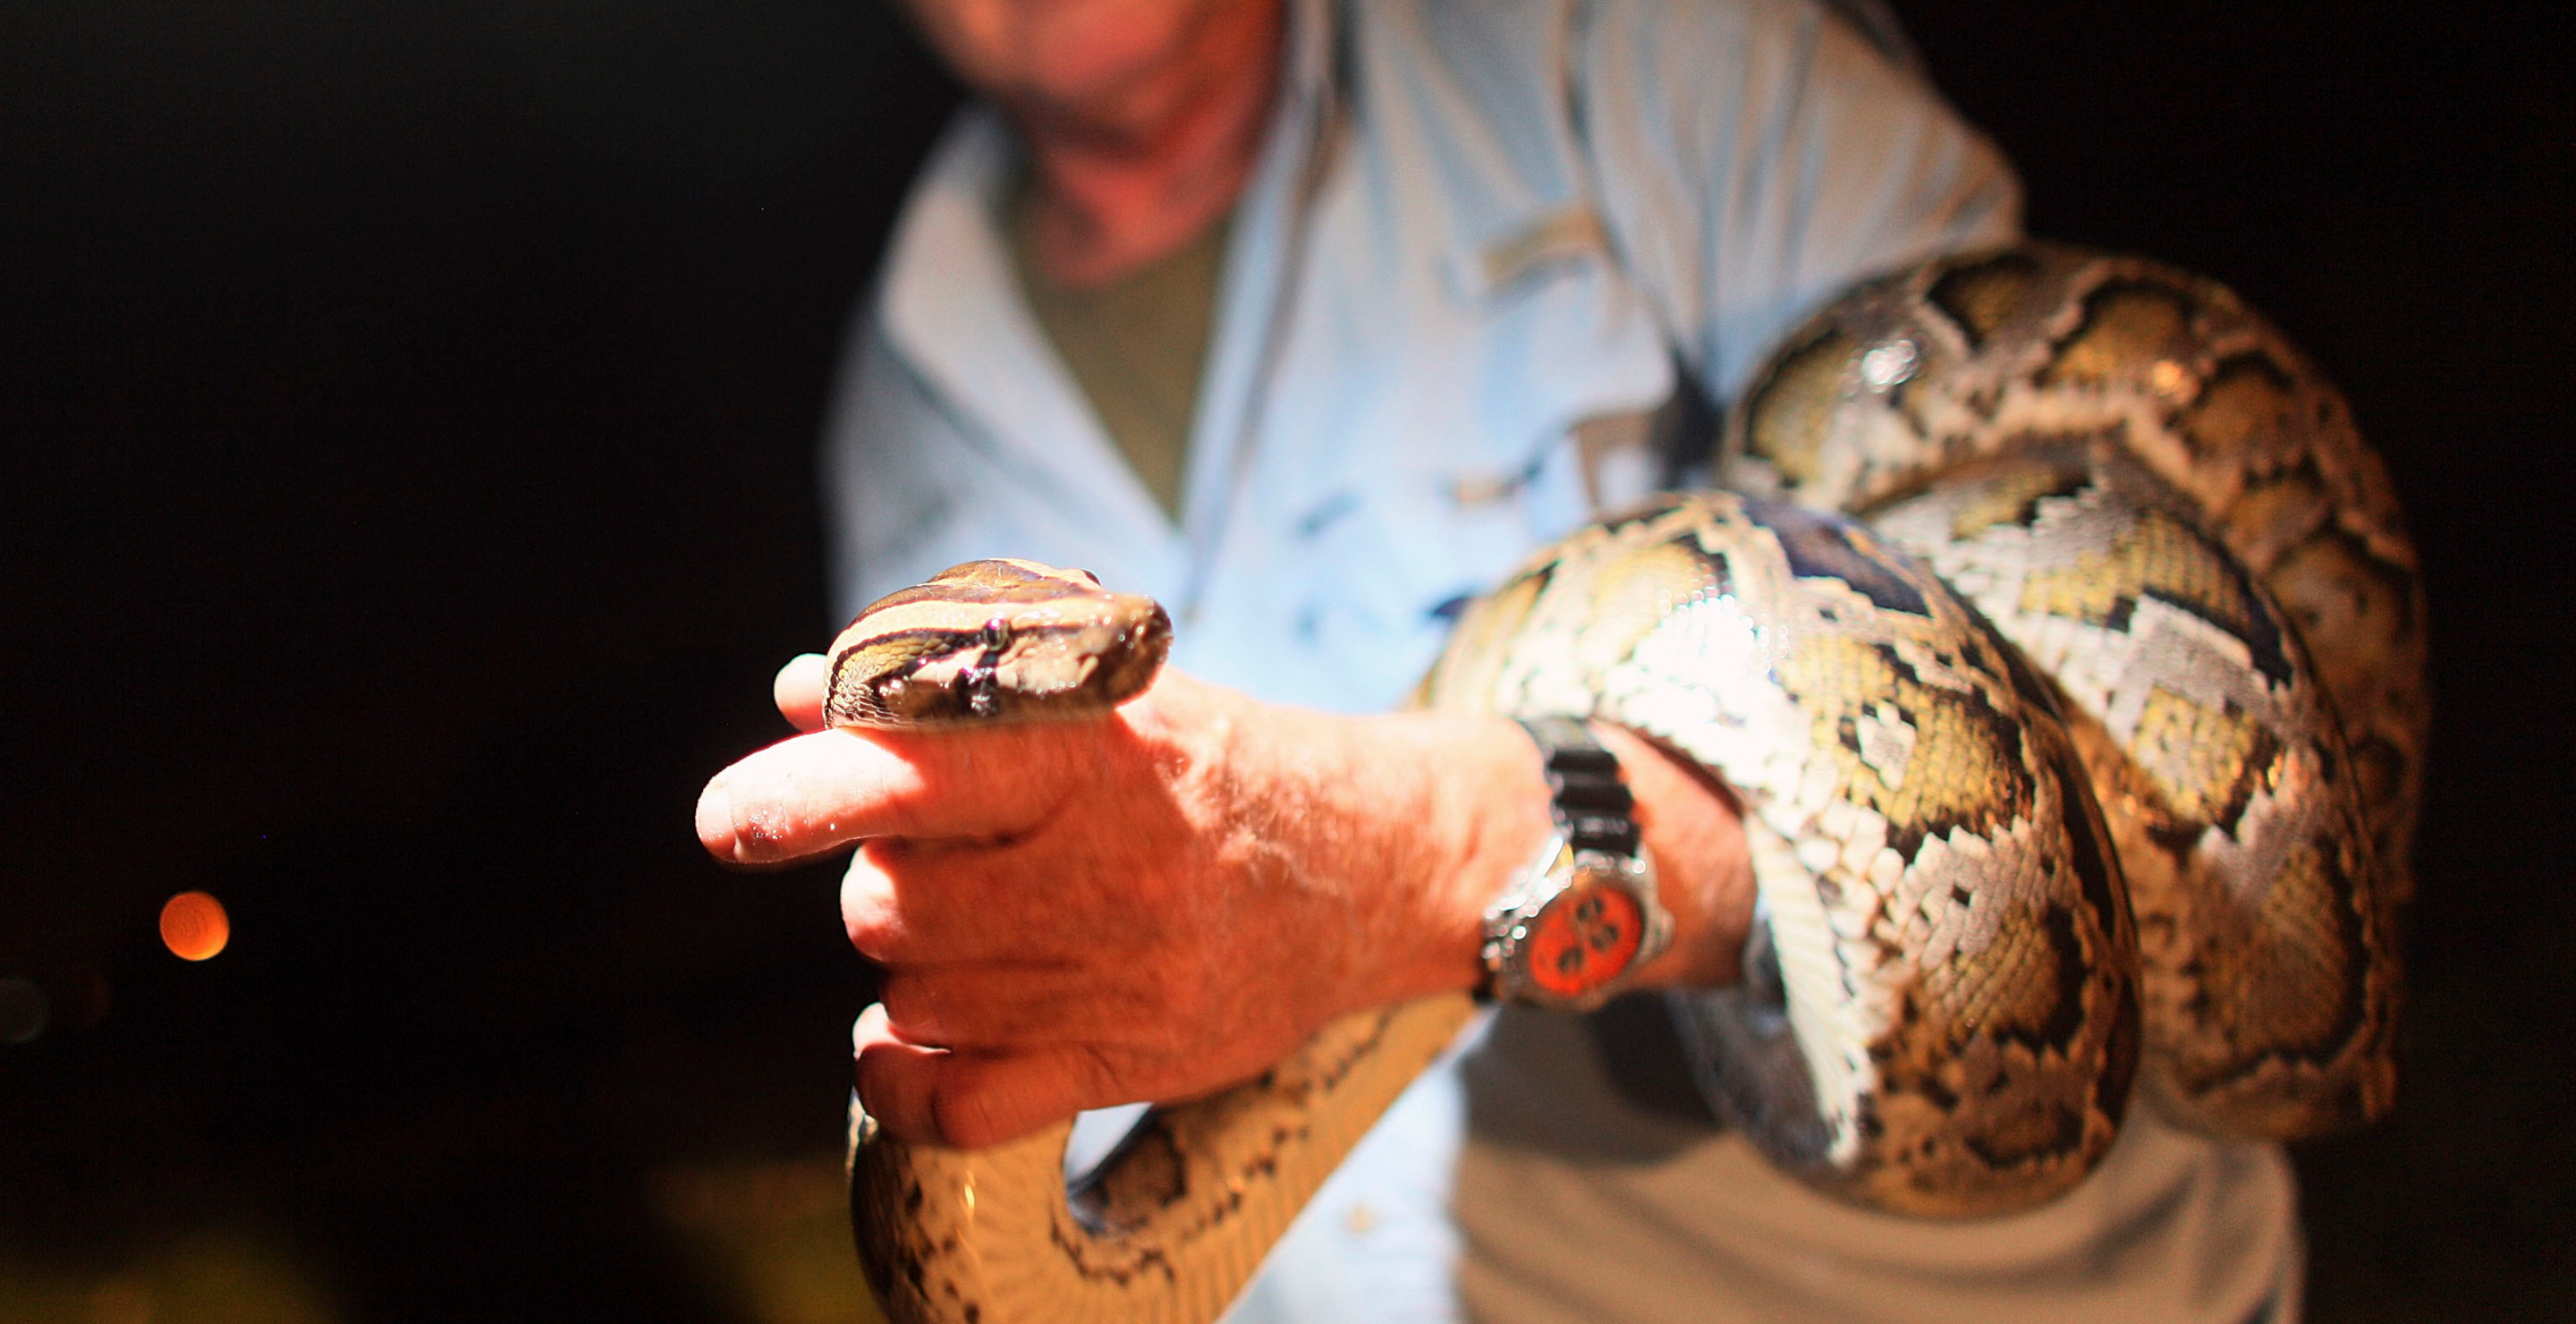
<point x="1088" y="59"/>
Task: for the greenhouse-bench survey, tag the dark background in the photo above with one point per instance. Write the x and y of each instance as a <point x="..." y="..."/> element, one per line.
<point x="405" y="425"/>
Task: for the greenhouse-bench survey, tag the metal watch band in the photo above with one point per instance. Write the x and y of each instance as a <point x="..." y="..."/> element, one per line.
<point x="1592" y="805"/>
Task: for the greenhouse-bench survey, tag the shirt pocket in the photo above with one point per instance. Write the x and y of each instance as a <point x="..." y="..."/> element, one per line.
<point x="1376" y="571"/>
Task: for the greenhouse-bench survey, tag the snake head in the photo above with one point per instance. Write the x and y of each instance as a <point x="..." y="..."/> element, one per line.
<point x="998" y="640"/>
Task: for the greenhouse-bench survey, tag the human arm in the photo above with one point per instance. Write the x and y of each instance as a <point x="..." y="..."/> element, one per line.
<point x="1163" y="902"/>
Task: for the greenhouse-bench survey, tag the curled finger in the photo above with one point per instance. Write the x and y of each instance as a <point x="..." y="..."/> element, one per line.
<point x="998" y="1007"/>
<point x="902" y="905"/>
<point x="971" y="1100"/>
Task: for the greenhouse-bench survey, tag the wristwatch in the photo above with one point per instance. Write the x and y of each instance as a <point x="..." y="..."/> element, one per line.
<point x="1584" y="915"/>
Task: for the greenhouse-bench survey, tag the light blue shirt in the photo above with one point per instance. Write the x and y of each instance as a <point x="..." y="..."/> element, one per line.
<point x="1478" y="233"/>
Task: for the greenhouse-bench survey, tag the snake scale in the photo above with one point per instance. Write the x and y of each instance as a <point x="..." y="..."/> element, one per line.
<point x="2063" y="644"/>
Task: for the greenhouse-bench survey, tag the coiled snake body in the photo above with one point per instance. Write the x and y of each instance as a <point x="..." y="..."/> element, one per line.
<point x="2063" y="645"/>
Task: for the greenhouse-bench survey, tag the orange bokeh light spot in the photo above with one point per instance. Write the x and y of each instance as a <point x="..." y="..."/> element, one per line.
<point x="194" y="926"/>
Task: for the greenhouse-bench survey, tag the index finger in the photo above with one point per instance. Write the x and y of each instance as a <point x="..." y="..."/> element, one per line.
<point x="814" y="793"/>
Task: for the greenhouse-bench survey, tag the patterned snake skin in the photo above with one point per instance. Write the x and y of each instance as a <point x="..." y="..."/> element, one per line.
<point x="2153" y="495"/>
<point x="2060" y="641"/>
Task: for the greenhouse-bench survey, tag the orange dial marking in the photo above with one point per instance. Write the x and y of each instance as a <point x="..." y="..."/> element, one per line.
<point x="1585" y="939"/>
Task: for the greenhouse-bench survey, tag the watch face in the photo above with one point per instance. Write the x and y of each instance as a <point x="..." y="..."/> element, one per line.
<point x="1586" y="937"/>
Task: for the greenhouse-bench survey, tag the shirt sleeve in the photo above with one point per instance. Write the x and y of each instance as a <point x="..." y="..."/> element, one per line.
<point x="1756" y="158"/>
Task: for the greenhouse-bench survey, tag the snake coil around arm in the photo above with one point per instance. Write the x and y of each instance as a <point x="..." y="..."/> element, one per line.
<point x="2063" y="644"/>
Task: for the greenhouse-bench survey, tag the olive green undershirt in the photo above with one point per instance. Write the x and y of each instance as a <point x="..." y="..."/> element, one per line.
<point x="1135" y="345"/>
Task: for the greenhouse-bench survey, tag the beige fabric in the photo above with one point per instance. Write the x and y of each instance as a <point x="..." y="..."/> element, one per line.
<point x="1137" y="345"/>
<point x="1578" y="1205"/>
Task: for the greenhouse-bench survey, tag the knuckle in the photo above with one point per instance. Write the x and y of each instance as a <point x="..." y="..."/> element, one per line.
<point x="874" y="932"/>
<point x="958" y="1008"/>
<point x="872" y="912"/>
<point x="865" y="887"/>
<point x="910" y="1007"/>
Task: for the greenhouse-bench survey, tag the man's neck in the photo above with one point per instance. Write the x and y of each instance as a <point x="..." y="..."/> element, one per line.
<point x="1122" y="182"/>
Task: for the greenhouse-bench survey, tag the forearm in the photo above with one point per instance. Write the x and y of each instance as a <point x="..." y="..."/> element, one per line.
<point x="1425" y="818"/>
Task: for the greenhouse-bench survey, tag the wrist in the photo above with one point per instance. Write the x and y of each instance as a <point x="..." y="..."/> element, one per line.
<point x="1460" y="806"/>
<point x="1693" y="831"/>
<point x="1371" y="845"/>
<point x="1484" y="815"/>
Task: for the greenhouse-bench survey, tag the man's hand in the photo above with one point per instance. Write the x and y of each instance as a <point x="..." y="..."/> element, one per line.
<point x="1149" y="906"/>
<point x="1168" y="900"/>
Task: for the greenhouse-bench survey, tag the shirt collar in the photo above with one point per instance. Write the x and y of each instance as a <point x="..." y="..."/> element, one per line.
<point x="951" y="308"/>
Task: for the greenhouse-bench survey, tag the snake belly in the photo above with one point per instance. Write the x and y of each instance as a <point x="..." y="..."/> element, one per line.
<point x="2103" y="537"/>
